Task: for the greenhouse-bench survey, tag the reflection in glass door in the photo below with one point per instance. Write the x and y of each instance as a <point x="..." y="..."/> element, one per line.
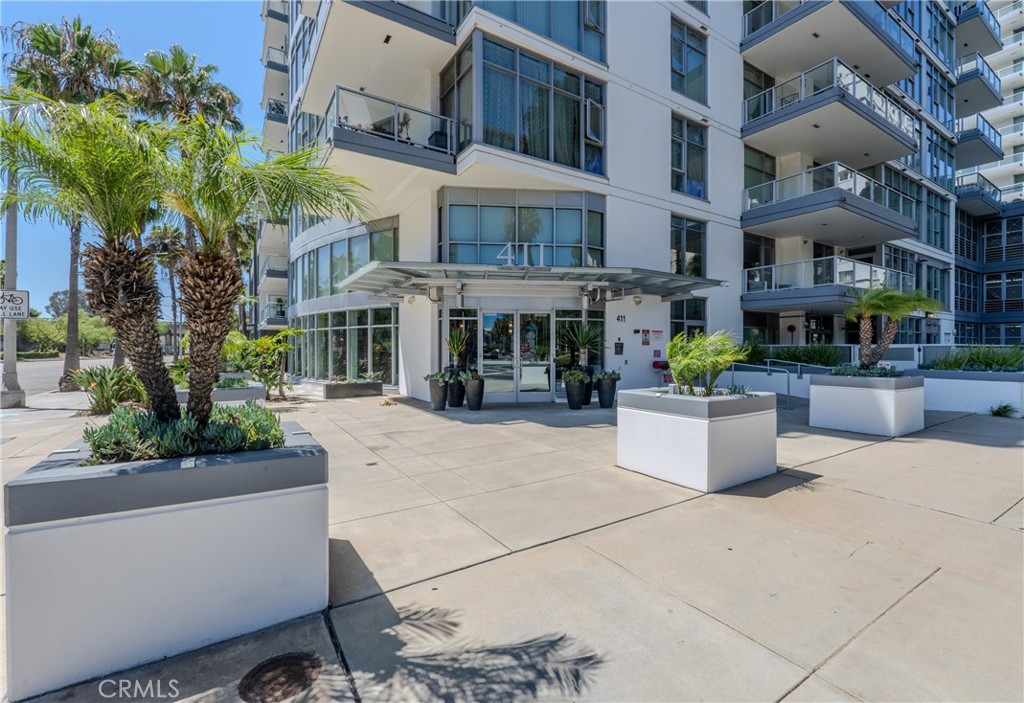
<point x="534" y="375"/>
<point x="515" y="352"/>
<point x="497" y="364"/>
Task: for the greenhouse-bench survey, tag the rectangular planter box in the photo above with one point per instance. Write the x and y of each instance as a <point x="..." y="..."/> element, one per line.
<point x="254" y="391"/>
<point x="708" y="444"/>
<point x="334" y="390"/>
<point x="247" y="375"/>
<point x="971" y="391"/>
<point x="112" y="566"/>
<point x="890" y="407"/>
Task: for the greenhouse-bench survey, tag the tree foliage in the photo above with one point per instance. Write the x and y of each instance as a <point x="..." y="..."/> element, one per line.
<point x="891" y="304"/>
<point x="696" y="361"/>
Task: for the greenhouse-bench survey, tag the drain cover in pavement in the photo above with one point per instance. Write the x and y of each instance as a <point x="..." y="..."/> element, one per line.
<point x="279" y="678"/>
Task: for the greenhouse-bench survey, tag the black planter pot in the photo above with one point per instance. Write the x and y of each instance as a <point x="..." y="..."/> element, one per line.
<point x="574" y="391"/>
<point x="456" y="393"/>
<point x="606" y="392"/>
<point x="475" y="394"/>
<point x="438" y="395"/>
<point x="588" y="390"/>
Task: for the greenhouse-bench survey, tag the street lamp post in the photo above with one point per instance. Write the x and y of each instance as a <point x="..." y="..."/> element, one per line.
<point x="11" y="395"/>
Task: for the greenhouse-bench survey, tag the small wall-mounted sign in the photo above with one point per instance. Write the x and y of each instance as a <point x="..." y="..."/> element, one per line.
<point x="657" y="353"/>
<point x="14" y="304"/>
<point x="657" y="335"/>
<point x="645" y="337"/>
<point x="618" y="348"/>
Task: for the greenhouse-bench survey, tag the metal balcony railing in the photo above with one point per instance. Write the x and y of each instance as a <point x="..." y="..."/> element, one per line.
<point x="1012" y="193"/>
<point x="977" y="122"/>
<point x="824" y="271"/>
<point x="369" y="114"/>
<point x="1011" y="129"/>
<point x="832" y="73"/>
<point x="970" y="181"/>
<point x="273" y="311"/>
<point x="276" y="55"/>
<point x="1011" y="160"/>
<point x="984" y="11"/>
<point x="1011" y="70"/>
<point x="1012" y="8"/>
<point x="976" y="61"/>
<point x="833" y="175"/>
<point x="273" y="263"/>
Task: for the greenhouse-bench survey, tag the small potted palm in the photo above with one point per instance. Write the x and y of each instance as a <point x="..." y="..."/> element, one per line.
<point x="458" y="339"/>
<point x="584" y="337"/>
<point x="606" y="382"/>
<point x="438" y="389"/>
<point x="576" y="382"/>
<point x="474" y="384"/>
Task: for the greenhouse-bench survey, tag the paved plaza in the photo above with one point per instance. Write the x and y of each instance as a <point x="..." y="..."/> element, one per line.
<point x="501" y="555"/>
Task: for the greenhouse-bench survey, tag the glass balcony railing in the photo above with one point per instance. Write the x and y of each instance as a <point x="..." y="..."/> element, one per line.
<point x="277" y="107"/>
<point x="273" y="263"/>
<point x="368" y="114"/>
<point x="1009" y="129"/>
<point x="833" y="175"/>
<point x="972" y="181"/>
<point x="977" y="122"/>
<point x="975" y="61"/>
<point x="1011" y="9"/>
<point x="276" y="55"/>
<point x="767" y="12"/>
<point x="274" y="312"/>
<point x="1012" y="70"/>
<point x="1010" y="194"/>
<point x="984" y="11"/>
<point x="824" y="271"/>
<point x="277" y="7"/>
<point x="832" y="73"/>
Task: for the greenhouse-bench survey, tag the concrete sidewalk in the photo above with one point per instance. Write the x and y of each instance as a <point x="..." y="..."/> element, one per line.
<point x="500" y="554"/>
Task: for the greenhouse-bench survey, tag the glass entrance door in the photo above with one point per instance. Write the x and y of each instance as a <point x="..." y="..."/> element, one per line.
<point x="515" y="350"/>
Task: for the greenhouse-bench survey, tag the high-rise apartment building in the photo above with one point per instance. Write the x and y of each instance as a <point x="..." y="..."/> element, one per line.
<point x="652" y="167"/>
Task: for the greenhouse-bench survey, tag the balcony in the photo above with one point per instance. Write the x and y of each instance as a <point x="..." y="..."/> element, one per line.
<point x="275" y="77"/>
<point x="1004" y="169"/>
<point x="1007" y="11"/>
<point x="1011" y="77"/>
<point x="833" y="204"/>
<point x="1012" y="194"/>
<point x="274" y="315"/>
<point x="824" y="285"/>
<point x="978" y="87"/>
<point x="977" y="142"/>
<point x="977" y="195"/>
<point x="977" y="29"/>
<point x="275" y="126"/>
<point x="272" y="236"/>
<point x="273" y="266"/>
<point x="784" y="37"/>
<point x="275" y="24"/>
<point x="830" y="113"/>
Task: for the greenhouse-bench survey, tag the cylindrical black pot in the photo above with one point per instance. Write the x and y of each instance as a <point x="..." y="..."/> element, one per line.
<point x="606" y="392"/>
<point x="475" y="394"/>
<point x="588" y="390"/>
<point x="574" y="391"/>
<point x="438" y="395"/>
<point x="456" y="393"/>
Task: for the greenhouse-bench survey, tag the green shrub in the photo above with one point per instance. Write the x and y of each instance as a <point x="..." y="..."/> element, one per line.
<point x="231" y="383"/>
<point x="136" y="435"/>
<point x="608" y="375"/>
<point x="1003" y="410"/>
<point x="756" y="351"/>
<point x="980" y="359"/>
<point x="575" y="376"/>
<point x="179" y="372"/>
<point x="817" y="354"/>
<point x="25" y="356"/>
<point x="873" y="372"/>
<point x="110" y="387"/>
<point x="698" y="360"/>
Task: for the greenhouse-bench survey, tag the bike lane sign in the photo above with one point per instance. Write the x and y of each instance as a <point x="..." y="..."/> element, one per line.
<point x="14" y="304"/>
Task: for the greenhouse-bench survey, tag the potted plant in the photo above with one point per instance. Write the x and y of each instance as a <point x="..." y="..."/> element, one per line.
<point x="474" y="384"/>
<point x="584" y="337"/>
<point x="606" y="383"/>
<point x="458" y="339"/>
<point x="438" y="389"/>
<point x="868" y="398"/>
<point x="576" y="382"/>
<point x="688" y="434"/>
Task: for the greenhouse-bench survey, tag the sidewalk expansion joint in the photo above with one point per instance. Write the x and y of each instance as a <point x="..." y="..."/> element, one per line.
<point x="336" y="643"/>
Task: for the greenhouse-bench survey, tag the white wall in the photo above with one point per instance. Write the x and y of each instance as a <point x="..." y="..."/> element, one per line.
<point x="635" y="363"/>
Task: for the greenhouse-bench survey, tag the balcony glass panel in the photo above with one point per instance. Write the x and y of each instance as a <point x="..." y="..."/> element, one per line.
<point x="975" y="62"/>
<point x="276" y="55"/>
<point x="1011" y="160"/>
<point x="824" y="271"/>
<point x="368" y="114"/>
<point x="984" y="11"/>
<point x="830" y="74"/>
<point x="976" y="180"/>
<point x="276" y="107"/>
<point x="273" y="263"/>
<point x="767" y="12"/>
<point x="977" y="122"/>
<point x="834" y="175"/>
<point x="273" y="311"/>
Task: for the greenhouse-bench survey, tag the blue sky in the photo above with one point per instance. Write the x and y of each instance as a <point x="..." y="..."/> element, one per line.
<point x="227" y="34"/>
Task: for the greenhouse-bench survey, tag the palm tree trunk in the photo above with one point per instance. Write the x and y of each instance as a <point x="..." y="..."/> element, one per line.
<point x="210" y="285"/>
<point x="123" y="291"/>
<point x="866" y="333"/>
<point x="889" y="332"/>
<point x="71" y="352"/>
<point x="175" y="345"/>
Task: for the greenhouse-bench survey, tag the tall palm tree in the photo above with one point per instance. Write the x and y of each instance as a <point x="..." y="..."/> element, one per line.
<point x="167" y="243"/>
<point x="70" y="62"/>
<point x="95" y="161"/>
<point x="217" y="186"/>
<point x="891" y="304"/>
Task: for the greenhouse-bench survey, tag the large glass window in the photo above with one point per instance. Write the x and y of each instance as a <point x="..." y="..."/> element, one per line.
<point x="353" y="344"/>
<point x="689" y="157"/>
<point x="688" y="316"/>
<point x="688" y="246"/>
<point x="1004" y="292"/>
<point x="758" y="167"/>
<point x="966" y="239"/>
<point x="936" y="221"/>
<point x="323" y="271"/>
<point x="940" y="91"/>
<point x="937" y="285"/>
<point x="689" y="62"/>
<point x="966" y="293"/>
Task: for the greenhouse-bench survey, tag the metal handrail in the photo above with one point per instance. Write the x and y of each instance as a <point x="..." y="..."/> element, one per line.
<point x="824" y="271"/>
<point x="389" y="119"/>
<point x="768" y="370"/>
<point x="799" y="365"/>
<point x="975" y="61"/>
<point x="276" y="262"/>
<point x="770" y="11"/>
<point x="983" y="126"/>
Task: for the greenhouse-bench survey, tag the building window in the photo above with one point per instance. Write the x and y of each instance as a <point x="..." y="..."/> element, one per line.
<point x="939" y="96"/>
<point x="689" y="157"/>
<point x="937" y="285"/>
<point x="899" y="259"/>
<point x="758" y="168"/>
<point x="457" y="95"/>
<point x="319" y="272"/>
<point x="966" y="292"/>
<point x="689" y="62"/>
<point x="1003" y="334"/>
<point x="939" y="32"/>
<point x="688" y="246"/>
<point x="701" y="5"/>
<point x="689" y="316"/>
<point x="348" y="344"/>
<point x="966" y="333"/>
<point x="935" y="227"/>
<point x="910" y="331"/>
<point x="1003" y="292"/>
<point x="966" y="239"/>
<point x="1004" y="240"/>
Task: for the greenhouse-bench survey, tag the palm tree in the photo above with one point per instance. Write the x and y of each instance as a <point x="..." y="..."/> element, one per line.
<point x="93" y="160"/>
<point x="167" y="243"/>
<point x="215" y="187"/>
<point x="891" y="304"/>
<point x="69" y="62"/>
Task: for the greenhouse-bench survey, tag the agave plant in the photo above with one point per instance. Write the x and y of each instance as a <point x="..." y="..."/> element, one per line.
<point x="584" y="337"/>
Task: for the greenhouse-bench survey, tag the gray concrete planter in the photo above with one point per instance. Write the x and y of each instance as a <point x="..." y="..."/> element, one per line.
<point x="247" y="375"/>
<point x="971" y="391"/>
<point x="360" y="389"/>
<point x="708" y="444"/>
<point x="886" y="406"/>
<point x="130" y="563"/>
<point x="254" y="391"/>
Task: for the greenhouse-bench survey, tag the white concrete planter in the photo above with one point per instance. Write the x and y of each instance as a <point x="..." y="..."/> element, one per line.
<point x="254" y="391"/>
<point x="337" y="389"/>
<point x="247" y="375"/>
<point x="890" y="407"/>
<point x="971" y="391"/>
<point x="708" y="444"/>
<point x="112" y="566"/>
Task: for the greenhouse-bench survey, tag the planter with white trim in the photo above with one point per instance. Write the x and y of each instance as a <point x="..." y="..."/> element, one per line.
<point x="707" y="444"/>
<point x="115" y="565"/>
<point x="253" y="391"/>
<point x="878" y="405"/>
<point x="355" y="389"/>
<point x="971" y="391"/>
